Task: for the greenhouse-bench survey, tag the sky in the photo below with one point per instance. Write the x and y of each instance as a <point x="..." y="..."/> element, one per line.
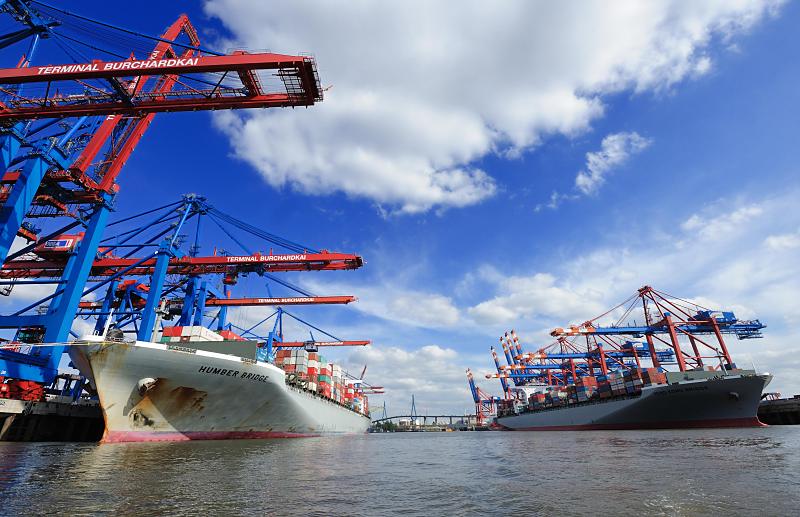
<point x="525" y="167"/>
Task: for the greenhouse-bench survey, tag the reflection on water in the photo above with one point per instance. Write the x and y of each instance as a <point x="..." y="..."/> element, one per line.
<point x="693" y="472"/>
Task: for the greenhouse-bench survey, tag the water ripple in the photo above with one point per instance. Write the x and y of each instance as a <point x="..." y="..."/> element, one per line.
<point x="693" y="472"/>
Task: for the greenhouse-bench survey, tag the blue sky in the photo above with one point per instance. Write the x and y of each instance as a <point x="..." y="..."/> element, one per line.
<point x="439" y="169"/>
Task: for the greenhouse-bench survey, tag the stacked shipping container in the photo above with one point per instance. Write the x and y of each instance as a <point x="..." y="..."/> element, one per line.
<point x="188" y="334"/>
<point x="615" y="384"/>
<point x="319" y="376"/>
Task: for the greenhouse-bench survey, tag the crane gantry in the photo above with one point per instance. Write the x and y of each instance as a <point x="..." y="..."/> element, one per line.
<point x="76" y="99"/>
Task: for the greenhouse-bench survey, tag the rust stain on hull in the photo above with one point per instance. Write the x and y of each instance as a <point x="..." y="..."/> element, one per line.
<point x="164" y="406"/>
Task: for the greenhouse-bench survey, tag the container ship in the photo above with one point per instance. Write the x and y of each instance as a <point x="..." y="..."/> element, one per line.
<point x="639" y="399"/>
<point x="201" y="386"/>
<point x="158" y="379"/>
<point x="620" y="376"/>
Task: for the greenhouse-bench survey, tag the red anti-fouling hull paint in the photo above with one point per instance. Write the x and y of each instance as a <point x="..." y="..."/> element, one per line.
<point x="133" y="436"/>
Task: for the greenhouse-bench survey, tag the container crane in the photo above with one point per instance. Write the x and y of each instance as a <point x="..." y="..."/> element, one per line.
<point x="485" y="404"/>
<point x="590" y="349"/>
<point x="670" y="320"/>
<point x="165" y="283"/>
<point x="68" y="129"/>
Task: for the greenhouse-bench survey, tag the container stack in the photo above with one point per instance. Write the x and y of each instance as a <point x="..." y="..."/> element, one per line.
<point x="617" y="383"/>
<point x="338" y="384"/>
<point x="349" y="393"/>
<point x="321" y="377"/>
<point x="229" y="335"/>
<point x="585" y="388"/>
<point x="188" y="334"/>
<point x="300" y="358"/>
<point x="536" y="401"/>
<point x="283" y="360"/>
<point x="325" y="379"/>
<point x="505" y="406"/>
<point x="313" y="371"/>
<point x="604" y="388"/>
<point x="633" y="381"/>
<point x="653" y="376"/>
<point x="293" y="361"/>
<point x="555" y="398"/>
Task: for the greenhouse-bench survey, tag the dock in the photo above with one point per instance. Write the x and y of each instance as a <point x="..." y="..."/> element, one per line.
<point x="56" y="419"/>
<point x="780" y="411"/>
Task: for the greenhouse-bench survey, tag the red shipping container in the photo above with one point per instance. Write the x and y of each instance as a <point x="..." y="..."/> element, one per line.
<point x="171" y="331"/>
<point x="230" y="336"/>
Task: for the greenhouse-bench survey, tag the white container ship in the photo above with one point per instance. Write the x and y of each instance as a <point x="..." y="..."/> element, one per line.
<point x="165" y="392"/>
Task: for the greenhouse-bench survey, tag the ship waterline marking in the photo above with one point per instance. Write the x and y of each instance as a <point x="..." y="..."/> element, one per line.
<point x="234" y="373"/>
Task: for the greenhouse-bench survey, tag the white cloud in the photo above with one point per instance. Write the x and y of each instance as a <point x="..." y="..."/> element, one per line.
<point x="556" y="198"/>
<point x="710" y="227"/>
<point x="614" y="151"/>
<point x="423" y="90"/>
<point x="786" y="241"/>
<point x="535" y="296"/>
<point x="430" y="310"/>
<point x="434" y="374"/>
<point x="392" y="302"/>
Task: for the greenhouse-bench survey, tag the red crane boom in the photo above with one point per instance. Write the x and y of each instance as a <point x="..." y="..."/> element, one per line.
<point x="252" y="302"/>
<point x="300" y="344"/>
<point x="298" y="74"/>
<point x="324" y="261"/>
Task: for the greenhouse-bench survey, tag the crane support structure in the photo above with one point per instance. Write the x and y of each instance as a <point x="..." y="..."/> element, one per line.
<point x="252" y="302"/>
<point x="298" y="73"/>
<point x="67" y="130"/>
<point x="302" y="344"/>
<point x="651" y="329"/>
<point x="485" y="404"/>
<point x="104" y="267"/>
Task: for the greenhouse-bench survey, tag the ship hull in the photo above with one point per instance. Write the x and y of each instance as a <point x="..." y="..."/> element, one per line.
<point x="157" y="392"/>
<point x="722" y="402"/>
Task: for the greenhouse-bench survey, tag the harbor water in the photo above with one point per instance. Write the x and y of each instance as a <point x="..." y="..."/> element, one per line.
<point x="691" y="472"/>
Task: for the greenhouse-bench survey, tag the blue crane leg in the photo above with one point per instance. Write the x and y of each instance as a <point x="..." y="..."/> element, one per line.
<point x="222" y="315"/>
<point x="19" y="200"/>
<point x="188" y="302"/>
<point x="154" y="295"/>
<point x="201" y="303"/>
<point x="106" y="309"/>
<point x="60" y="316"/>
<point x="10" y="142"/>
<point x="59" y="319"/>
